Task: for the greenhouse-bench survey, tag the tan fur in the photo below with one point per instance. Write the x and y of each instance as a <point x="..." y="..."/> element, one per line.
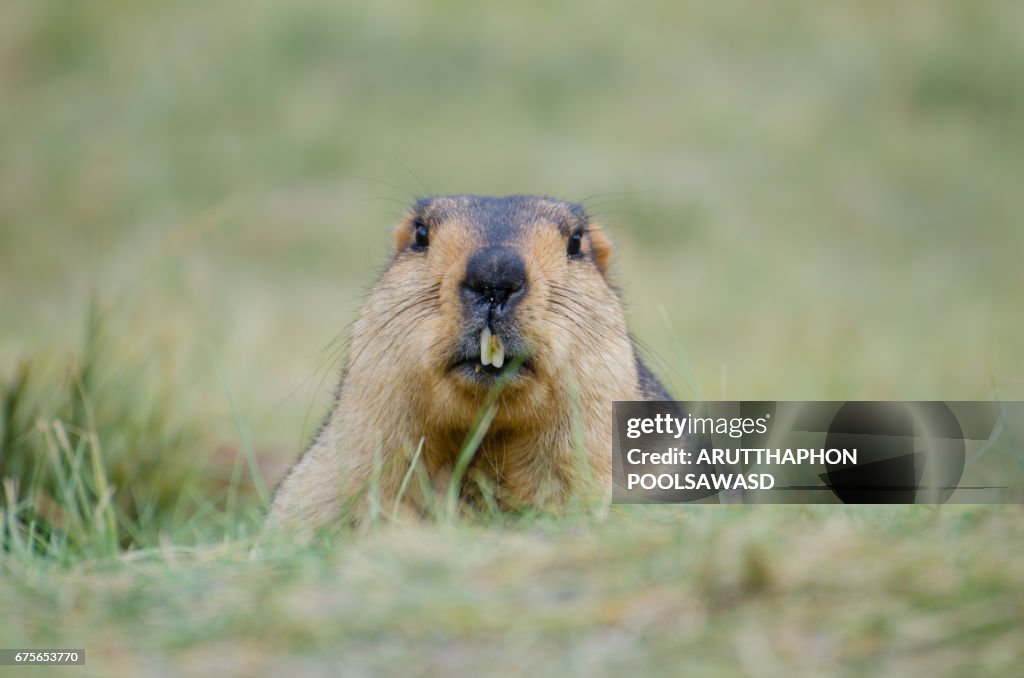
<point x="396" y="395"/>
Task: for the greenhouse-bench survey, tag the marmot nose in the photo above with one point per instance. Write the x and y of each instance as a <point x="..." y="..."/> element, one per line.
<point x="495" y="275"/>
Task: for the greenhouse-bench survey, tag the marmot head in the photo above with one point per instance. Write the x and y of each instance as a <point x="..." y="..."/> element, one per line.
<point x="511" y="289"/>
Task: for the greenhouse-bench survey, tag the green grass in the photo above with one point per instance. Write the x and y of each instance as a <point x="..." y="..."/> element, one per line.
<point x="808" y="202"/>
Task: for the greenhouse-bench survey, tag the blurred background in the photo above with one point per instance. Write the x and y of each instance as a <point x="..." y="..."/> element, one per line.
<point x="808" y="201"/>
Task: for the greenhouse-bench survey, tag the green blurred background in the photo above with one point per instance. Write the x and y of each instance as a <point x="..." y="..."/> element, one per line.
<point x="824" y="200"/>
<point x="809" y="201"/>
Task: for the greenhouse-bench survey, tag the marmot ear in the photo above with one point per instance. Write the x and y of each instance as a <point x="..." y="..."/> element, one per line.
<point x="404" y="232"/>
<point x="600" y="247"/>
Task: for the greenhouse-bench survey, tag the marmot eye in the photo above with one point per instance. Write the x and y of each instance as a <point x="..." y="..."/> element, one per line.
<point x="575" y="242"/>
<point x="422" y="238"/>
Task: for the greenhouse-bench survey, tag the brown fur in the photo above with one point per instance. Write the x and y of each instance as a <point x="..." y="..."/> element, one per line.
<point x="397" y="395"/>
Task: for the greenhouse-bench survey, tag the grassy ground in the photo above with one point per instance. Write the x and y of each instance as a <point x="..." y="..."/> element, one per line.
<point x="807" y="201"/>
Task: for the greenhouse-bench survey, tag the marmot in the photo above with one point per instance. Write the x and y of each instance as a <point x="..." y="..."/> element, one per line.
<point x="495" y="314"/>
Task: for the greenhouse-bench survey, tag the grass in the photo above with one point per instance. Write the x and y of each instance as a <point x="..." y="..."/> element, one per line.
<point x="807" y="202"/>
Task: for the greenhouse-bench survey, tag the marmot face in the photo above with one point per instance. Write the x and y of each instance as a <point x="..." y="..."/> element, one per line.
<point x="516" y="292"/>
<point x="481" y="292"/>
